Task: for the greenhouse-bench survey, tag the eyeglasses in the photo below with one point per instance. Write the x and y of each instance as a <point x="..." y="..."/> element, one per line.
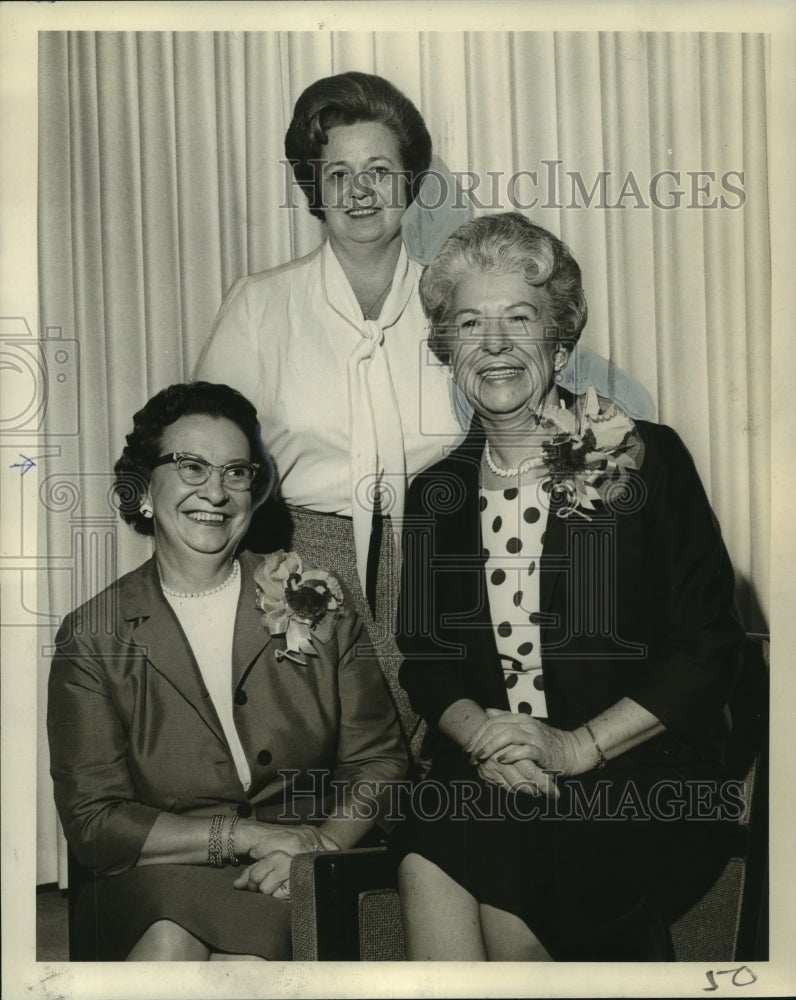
<point x="194" y="470"/>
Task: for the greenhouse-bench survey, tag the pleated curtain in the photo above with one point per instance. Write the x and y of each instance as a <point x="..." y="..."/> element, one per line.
<point x="161" y="181"/>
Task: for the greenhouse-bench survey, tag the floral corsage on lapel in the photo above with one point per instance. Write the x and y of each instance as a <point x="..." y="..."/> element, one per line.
<point x="594" y="449"/>
<point x="301" y="604"/>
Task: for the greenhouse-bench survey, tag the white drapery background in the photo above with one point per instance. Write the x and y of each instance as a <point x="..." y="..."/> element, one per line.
<point x="161" y="182"/>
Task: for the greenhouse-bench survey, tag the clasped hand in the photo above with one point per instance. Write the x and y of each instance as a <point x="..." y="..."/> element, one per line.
<point x="273" y="846"/>
<point x="515" y="750"/>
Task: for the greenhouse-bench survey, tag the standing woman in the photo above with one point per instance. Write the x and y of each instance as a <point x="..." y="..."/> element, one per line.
<point x="330" y="347"/>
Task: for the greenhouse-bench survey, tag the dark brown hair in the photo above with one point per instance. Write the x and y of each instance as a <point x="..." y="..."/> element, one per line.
<point x="134" y="467"/>
<point x="343" y="100"/>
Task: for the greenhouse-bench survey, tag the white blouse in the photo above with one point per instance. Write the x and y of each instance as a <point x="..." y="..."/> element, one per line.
<point x="209" y="625"/>
<point x="343" y="401"/>
<point x="513" y="522"/>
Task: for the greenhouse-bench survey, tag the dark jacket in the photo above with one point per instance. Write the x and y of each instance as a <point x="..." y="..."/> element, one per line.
<point x="133" y="731"/>
<point x="638" y="603"/>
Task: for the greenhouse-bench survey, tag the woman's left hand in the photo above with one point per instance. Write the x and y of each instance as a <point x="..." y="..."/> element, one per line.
<point x="261" y="839"/>
<point x="522" y="737"/>
<point x="270" y="875"/>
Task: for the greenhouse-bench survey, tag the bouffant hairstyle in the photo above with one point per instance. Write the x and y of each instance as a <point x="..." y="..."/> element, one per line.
<point x="507" y="243"/>
<point x="143" y="448"/>
<point x="343" y="100"/>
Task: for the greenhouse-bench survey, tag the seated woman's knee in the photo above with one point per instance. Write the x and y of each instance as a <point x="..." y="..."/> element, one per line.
<point x="166" y="941"/>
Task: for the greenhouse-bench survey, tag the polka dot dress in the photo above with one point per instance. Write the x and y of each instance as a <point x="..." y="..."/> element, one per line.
<point x="512" y="526"/>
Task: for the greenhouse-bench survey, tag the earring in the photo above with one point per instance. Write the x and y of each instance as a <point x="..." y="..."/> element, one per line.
<point x="559" y="359"/>
<point x="146" y="507"/>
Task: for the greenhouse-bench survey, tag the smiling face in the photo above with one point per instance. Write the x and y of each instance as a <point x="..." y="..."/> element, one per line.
<point x="502" y="357"/>
<point x="363" y="189"/>
<point x="192" y="522"/>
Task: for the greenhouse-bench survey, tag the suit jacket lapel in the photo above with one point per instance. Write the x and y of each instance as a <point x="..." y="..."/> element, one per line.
<point x="465" y="539"/>
<point x="157" y="632"/>
<point x="251" y="637"/>
<point x="555" y="559"/>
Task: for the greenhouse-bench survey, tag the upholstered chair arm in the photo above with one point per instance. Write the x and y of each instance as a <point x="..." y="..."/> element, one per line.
<point x="327" y="892"/>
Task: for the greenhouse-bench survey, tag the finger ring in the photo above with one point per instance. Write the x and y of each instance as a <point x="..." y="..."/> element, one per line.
<point x="285" y="887"/>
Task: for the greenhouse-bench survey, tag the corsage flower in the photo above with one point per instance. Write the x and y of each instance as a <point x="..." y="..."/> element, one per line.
<point x="594" y="448"/>
<point x="301" y="604"/>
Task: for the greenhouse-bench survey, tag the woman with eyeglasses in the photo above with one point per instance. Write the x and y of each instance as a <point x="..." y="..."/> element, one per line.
<point x="210" y="713"/>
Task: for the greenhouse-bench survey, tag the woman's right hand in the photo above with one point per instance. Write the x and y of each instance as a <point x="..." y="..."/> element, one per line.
<point x="520" y="776"/>
<point x="270" y="875"/>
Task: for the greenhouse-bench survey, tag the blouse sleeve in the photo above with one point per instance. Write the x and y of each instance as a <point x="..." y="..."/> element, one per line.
<point x="104" y="824"/>
<point x="231" y="354"/>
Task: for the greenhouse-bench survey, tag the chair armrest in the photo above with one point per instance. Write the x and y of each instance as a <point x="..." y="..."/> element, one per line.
<point x="324" y="892"/>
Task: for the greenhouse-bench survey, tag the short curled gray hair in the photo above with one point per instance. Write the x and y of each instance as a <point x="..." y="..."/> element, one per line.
<point x="507" y="243"/>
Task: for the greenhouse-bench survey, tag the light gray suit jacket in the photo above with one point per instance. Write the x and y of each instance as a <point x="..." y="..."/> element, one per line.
<point x="133" y="731"/>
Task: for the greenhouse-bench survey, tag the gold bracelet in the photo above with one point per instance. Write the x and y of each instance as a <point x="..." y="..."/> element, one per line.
<point x="231" y="856"/>
<point x="601" y="758"/>
<point x="215" y="854"/>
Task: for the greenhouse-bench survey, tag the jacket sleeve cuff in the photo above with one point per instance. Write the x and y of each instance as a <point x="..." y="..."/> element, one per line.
<point x="113" y="842"/>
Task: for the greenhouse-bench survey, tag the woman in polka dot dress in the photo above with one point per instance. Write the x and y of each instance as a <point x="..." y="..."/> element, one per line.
<point x="570" y="636"/>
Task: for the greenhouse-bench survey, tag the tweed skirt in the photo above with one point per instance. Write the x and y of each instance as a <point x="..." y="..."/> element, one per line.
<point x="327" y="541"/>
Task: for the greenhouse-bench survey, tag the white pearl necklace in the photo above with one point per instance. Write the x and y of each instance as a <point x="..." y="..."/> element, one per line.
<point x="233" y="576"/>
<point x="529" y="463"/>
